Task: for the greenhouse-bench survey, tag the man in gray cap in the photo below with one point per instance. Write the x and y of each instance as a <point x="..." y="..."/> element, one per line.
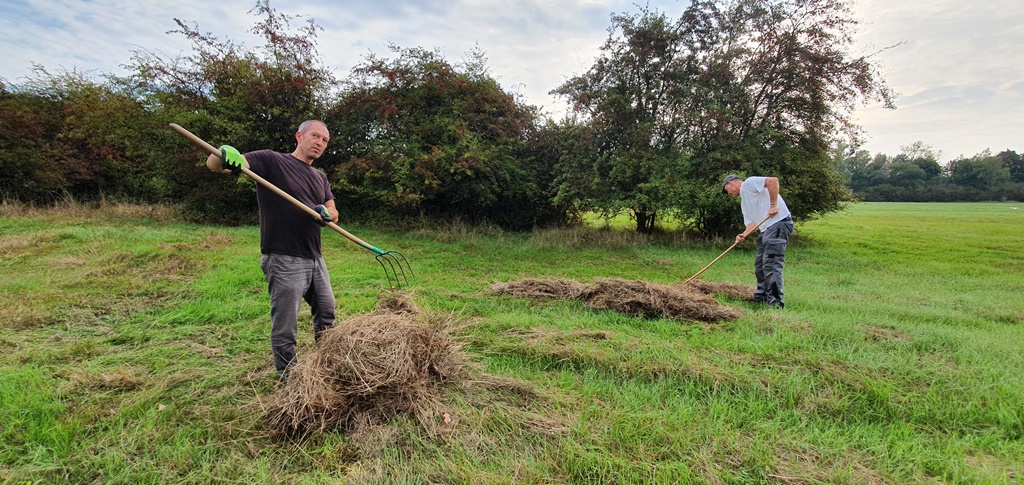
<point x="760" y="199"/>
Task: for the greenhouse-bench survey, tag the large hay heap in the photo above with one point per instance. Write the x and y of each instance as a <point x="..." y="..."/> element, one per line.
<point x="687" y="302"/>
<point x="368" y="369"/>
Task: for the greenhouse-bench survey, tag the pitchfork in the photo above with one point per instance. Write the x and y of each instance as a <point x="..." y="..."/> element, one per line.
<point x="394" y="263"/>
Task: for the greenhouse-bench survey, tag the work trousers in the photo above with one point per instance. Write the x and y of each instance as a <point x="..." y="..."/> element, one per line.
<point x="771" y="255"/>
<point x="290" y="280"/>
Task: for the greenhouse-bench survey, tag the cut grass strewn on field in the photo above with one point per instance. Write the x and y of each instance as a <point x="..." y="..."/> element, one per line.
<point x="635" y="298"/>
<point x="135" y="350"/>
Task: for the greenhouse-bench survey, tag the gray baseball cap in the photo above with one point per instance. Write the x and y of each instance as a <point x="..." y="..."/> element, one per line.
<point x="728" y="178"/>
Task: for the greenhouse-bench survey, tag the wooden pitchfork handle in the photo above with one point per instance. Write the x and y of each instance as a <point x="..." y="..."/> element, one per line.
<point x="745" y="234"/>
<point x="260" y="180"/>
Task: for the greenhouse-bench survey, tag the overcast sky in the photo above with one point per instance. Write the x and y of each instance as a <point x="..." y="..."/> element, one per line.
<point x="959" y="71"/>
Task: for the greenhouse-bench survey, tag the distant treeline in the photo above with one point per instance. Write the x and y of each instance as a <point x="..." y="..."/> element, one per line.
<point x="670" y="106"/>
<point x="915" y="175"/>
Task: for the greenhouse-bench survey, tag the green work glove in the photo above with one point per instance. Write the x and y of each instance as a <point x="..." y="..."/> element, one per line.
<point x="325" y="215"/>
<point x="230" y="159"/>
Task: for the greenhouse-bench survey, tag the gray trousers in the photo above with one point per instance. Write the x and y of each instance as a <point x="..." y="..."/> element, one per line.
<point x="771" y="255"/>
<point x="290" y="280"/>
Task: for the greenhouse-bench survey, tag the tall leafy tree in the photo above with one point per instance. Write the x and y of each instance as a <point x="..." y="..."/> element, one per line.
<point x="855" y="167"/>
<point x="752" y="86"/>
<point x="631" y="98"/>
<point x="419" y="135"/>
<point x="233" y="94"/>
<point x="779" y="85"/>
<point x="1014" y="163"/>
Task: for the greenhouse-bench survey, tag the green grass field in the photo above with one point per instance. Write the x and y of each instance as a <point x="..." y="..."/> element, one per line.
<point x="134" y="349"/>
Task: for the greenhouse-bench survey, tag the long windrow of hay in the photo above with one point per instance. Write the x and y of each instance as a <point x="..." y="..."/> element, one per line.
<point x="543" y="288"/>
<point x="628" y="297"/>
<point x="368" y="369"/>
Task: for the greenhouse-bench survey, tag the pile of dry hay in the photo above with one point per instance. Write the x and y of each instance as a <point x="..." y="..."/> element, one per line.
<point x="688" y="302"/>
<point x="368" y="369"/>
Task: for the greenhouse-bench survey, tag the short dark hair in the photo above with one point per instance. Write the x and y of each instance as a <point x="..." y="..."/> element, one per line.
<point x="729" y="178"/>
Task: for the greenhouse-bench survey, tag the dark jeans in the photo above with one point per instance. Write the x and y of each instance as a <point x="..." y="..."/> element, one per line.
<point x="290" y="280"/>
<point x="771" y="255"/>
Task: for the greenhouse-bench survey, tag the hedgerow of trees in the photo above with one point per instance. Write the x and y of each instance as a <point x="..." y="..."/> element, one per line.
<point x="418" y="135"/>
<point x="668" y="108"/>
<point x="916" y="175"/>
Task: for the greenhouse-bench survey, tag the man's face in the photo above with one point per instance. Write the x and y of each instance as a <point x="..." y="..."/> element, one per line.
<point x="733" y="188"/>
<point x="313" y="142"/>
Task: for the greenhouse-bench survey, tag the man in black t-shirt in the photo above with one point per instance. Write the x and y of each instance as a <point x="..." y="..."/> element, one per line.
<point x="292" y="263"/>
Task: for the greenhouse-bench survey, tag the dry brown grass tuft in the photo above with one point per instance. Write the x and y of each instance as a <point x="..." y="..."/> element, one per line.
<point x="628" y="297"/>
<point x="25" y="244"/>
<point x="737" y="291"/>
<point x="368" y="369"/>
<point x="71" y="210"/>
<point x="397" y="302"/>
<point x="885" y="334"/>
<point x="804" y="466"/>
<point x="118" y="379"/>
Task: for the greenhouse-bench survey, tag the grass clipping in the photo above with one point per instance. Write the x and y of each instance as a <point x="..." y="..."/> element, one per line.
<point x="367" y="370"/>
<point x="682" y="302"/>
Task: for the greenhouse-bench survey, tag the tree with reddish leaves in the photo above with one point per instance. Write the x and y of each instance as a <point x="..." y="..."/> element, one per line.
<point x="65" y="135"/>
<point x="29" y="125"/>
<point x="418" y="135"/>
<point x="228" y="93"/>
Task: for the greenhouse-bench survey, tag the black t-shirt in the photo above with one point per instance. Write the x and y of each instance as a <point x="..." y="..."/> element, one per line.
<point x="284" y="228"/>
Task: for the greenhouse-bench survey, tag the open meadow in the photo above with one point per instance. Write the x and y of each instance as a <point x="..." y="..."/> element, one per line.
<point x="134" y="349"/>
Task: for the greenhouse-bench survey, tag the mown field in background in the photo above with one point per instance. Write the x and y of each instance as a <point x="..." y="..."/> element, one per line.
<point x="134" y="349"/>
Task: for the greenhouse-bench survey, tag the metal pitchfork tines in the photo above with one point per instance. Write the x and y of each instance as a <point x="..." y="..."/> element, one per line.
<point x="396" y="267"/>
<point x="389" y="260"/>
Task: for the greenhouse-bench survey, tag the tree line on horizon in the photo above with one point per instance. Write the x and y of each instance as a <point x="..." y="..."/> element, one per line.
<point x="761" y="87"/>
<point x="916" y="175"/>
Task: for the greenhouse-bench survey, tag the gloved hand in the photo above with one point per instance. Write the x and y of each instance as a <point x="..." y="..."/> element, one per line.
<point x="230" y="159"/>
<point x="325" y="215"/>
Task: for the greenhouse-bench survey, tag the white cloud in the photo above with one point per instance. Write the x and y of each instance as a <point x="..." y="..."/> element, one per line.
<point x="957" y="74"/>
<point x="100" y="36"/>
<point x="958" y="70"/>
